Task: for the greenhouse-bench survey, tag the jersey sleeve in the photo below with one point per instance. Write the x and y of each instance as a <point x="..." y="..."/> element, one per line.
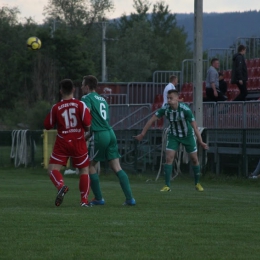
<point x="160" y="112"/>
<point x="87" y="101"/>
<point x="86" y="117"/>
<point x="189" y="115"/>
<point x="50" y="119"/>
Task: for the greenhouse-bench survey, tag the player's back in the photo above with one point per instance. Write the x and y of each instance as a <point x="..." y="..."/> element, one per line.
<point x="71" y="117"/>
<point x="99" y="111"/>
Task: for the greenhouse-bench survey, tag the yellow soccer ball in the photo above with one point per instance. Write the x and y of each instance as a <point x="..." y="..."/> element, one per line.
<point x="34" y="43"/>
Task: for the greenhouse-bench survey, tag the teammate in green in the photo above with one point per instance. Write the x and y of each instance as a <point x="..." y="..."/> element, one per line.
<point x="181" y="131"/>
<point x="105" y="142"/>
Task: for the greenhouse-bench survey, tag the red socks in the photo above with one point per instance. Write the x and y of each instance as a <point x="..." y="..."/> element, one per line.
<point x="57" y="179"/>
<point x="84" y="183"/>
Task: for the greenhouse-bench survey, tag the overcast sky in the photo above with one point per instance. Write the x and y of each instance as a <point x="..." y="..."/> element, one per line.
<point x="34" y="8"/>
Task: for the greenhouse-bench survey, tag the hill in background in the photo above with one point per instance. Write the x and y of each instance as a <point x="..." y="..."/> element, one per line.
<point x="220" y="30"/>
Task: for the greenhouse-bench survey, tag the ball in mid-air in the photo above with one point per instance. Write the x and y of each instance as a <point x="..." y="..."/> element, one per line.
<point x="34" y="43"/>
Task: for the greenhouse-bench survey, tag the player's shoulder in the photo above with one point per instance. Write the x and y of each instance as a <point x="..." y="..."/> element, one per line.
<point x="184" y="106"/>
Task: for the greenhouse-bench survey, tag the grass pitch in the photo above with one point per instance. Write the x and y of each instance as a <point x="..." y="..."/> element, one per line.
<point x="220" y="223"/>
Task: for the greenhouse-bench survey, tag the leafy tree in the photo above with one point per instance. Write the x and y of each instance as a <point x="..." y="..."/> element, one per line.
<point x="146" y="42"/>
<point x="76" y="13"/>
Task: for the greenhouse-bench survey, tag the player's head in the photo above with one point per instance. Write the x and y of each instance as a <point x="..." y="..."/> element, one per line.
<point x="173" y="79"/>
<point x="172" y="97"/>
<point x="89" y="83"/>
<point x="66" y="87"/>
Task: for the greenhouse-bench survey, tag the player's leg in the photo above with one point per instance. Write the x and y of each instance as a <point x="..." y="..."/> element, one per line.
<point x="57" y="179"/>
<point x="170" y="154"/>
<point x="84" y="185"/>
<point x="95" y="185"/>
<point x="113" y="158"/>
<point x="58" y="158"/>
<point x="80" y="160"/>
<point x="171" y="148"/>
<point x="191" y="148"/>
<point x="101" y="142"/>
<point x="123" y="180"/>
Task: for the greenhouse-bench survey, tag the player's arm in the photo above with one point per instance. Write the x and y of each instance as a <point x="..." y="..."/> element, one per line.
<point x="50" y="120"/>
<point x="86" y="119"/>
<point x="198" y="135"/>
<point x="146" y="127"/>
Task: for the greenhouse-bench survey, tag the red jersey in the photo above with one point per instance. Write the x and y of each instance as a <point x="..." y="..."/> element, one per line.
<point x="71" y="117"/>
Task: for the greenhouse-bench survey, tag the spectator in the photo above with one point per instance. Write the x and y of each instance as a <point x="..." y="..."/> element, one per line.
<point x="212" y="83"/>
<point x="173" y="81"/>
<point x="222" y="84"/>
<point x="239" y="73"/>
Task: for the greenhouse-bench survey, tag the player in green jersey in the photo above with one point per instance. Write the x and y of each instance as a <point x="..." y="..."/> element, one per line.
<point x="181" y="131"/>
<point x="105" y="142"/>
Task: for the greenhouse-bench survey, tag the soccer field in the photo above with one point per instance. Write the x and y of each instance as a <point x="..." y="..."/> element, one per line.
<point x="220" y="223"/>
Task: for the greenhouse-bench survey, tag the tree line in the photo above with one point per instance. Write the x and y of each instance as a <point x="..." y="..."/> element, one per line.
<point x="71" y="34"/>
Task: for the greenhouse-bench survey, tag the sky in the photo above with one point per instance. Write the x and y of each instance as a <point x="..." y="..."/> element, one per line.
<point x="34" y="8"/>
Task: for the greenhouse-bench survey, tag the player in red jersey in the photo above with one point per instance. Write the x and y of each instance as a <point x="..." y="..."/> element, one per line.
<point x="72" y="119"/>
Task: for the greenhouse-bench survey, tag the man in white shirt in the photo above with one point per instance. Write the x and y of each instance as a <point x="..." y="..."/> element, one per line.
<point x="173" y="81"/>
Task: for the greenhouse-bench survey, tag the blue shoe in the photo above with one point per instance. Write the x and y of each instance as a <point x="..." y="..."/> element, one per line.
<point x="97" y="202"/>
<point x="130" y="202"/>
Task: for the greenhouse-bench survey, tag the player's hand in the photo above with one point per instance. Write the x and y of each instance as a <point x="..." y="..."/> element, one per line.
<point x="139" y="137"/>
<point x="215" y="93"/>
<point x="204" y="146"/>
<point x="240" y="82"/>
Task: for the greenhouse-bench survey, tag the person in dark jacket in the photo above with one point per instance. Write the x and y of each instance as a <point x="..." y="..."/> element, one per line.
<point x="239" y="73"/>
<point x="222" y="84"/>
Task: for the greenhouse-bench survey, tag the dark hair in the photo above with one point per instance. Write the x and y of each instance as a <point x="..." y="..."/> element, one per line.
<point x="173" y="91"/>
<point x="241" y="47"/>
<point x="66" y="85"/>
<point x="213" y="60"/>
<point x="172" y="78"/>
<point x="91" y="81"/>
<point x="221" y="74"/>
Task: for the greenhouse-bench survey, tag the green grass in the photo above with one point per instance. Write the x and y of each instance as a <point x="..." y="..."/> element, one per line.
<point x="220" y="223"/>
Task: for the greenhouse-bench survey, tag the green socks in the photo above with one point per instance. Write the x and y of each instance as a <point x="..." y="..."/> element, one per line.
<point x="94" y="184"/>
<point x="196" y="171"/>
<point x="124" y="183"/>
<point x="167" y="174"/>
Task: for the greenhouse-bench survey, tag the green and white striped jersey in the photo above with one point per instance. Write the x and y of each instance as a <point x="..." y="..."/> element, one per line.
<point x="179" y="119"/>
<point x="99" y="111"/>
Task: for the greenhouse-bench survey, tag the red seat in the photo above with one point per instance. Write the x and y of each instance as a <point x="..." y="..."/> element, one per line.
<point x="257" y="62"/>
<point x="250" y="84"/>
<point x="257" y="72"/>
<point x="257" y="83"/>
<point x="249" y="63"/>
<point x="227" y="74"/>
<point x="186" y="87"/>
<point x="158" y="98"/>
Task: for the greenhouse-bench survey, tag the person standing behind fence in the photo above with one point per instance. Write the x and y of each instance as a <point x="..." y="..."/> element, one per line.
<point x="239" y="74"/>
<point x="173" y="81"/>
<point x="105" y="142"/>
<point x="212" y="83"/>
<point x="222" y="84"/>
<point x="181" y="131"/>
<point x="72" y="119"/>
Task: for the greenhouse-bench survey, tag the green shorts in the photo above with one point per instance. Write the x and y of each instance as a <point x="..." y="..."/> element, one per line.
<point x="105" y="146"/>
<point x="188" y="142"/>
